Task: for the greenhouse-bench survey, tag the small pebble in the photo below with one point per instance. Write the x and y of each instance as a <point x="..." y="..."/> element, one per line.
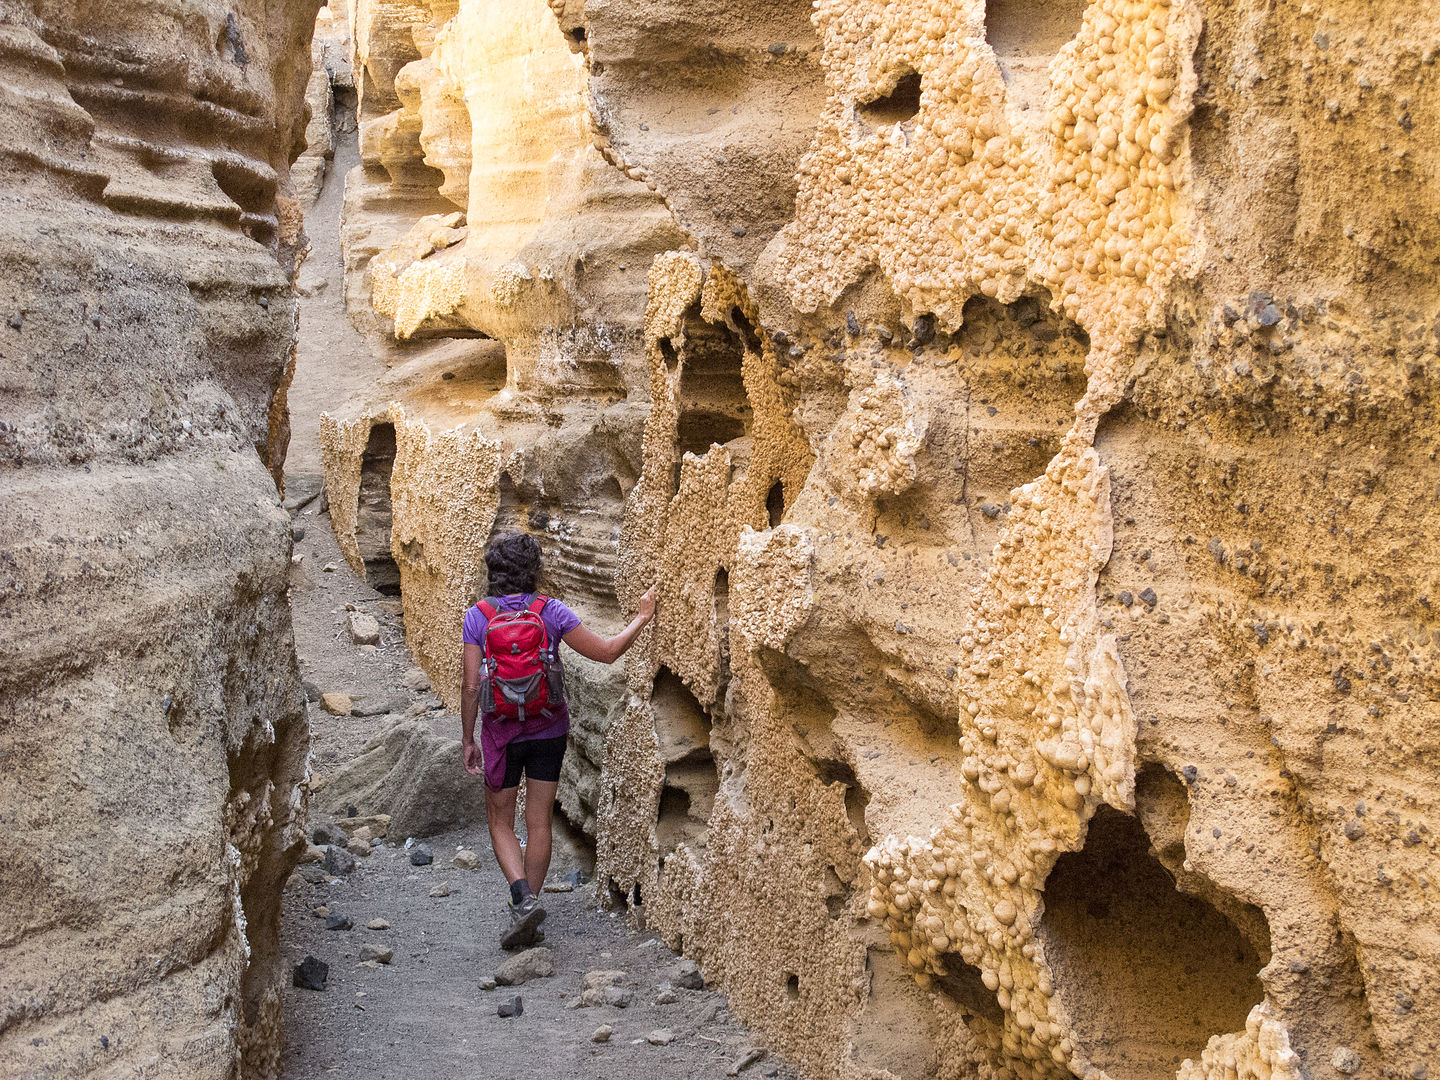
<point x="513" y="1007"/>
<point x="660" y="1037"/>
<point x="1345" y="1060"/>
<point x="602" y="1033"/>
<point x="421" y="855"/>
<point x="310" y="974"/>
<point x="378" y="924"/>
<point x="440" y="890"/>
<point x="381" y="954"/>
<point x="686" y="975"/>
<point x="487" y="983"/>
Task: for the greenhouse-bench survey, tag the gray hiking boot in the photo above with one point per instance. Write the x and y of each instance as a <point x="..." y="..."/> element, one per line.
<point x="525" y="920"/>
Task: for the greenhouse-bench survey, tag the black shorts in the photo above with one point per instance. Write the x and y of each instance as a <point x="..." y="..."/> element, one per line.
<point x="539" y="759"/>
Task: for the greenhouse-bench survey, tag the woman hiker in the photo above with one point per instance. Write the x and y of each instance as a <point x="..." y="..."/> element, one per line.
<point x="512" y="674"/>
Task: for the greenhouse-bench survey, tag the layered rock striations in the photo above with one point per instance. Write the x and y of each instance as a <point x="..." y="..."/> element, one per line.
<point x="1032" y="436"/>
<point x="153" y="734"/>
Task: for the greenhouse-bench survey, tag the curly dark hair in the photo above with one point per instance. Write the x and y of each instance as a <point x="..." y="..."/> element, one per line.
<point x="513" y="562"/>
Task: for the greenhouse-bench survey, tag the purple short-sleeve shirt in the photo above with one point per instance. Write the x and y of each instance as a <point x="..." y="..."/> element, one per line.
<point x="559" y="620"/>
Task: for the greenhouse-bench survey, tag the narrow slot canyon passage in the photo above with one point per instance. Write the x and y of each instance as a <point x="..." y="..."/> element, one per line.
<point x="412" y="947"/>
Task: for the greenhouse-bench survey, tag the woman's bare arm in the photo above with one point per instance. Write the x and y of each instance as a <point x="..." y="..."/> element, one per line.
<point x="607" y="650"/>
<point x="470" y="705"/>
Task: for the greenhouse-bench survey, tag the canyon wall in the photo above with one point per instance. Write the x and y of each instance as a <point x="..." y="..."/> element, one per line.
<point x="152" y="729"/>
<point x="1027" y="411"/>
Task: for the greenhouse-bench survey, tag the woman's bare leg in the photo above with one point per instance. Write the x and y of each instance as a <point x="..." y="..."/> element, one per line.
<point x="539" y="816"/>
<point x="500" y="816"/>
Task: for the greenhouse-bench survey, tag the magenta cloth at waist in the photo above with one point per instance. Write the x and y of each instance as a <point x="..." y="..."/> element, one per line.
<point x="496" y="735"/>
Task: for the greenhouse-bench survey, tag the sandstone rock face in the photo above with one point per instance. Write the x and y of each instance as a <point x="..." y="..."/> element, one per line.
<point x="154" y="738"/>
<point x="1032" y="436"/>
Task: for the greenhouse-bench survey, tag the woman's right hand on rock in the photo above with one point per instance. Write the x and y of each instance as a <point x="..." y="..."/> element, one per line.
<point x="647" y="604"/>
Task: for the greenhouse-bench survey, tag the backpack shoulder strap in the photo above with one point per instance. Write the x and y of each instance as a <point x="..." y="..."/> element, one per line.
<point x="538" y="604"/>
<point x="487" y="608"/>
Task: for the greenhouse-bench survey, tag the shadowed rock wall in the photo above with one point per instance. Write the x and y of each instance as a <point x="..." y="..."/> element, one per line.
<point x="1036" y="457"/>
<point x="152" y="731"/>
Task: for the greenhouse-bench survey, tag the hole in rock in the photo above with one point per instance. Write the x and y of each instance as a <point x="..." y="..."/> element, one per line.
<point x="1025" y="369"/>
<point x="811" y="716"/>
<point x="610" y="492"/>
<point x="246" y="186"/>
<point x="509" y="514"/>
<point x="570" y="836"/>
<point x="578" y="34"/>
<point x="834" y="770"/>
<point x="342" y="108"/>
<point x="722" y="597"/>
<point x="962" y="986"/>
<point x="747" y="331"/>
<point x="896" y="107"/>
<point x="1026" y="35"/>
<point x="1146" y="972"/>
<point x="668" y="353"/>
<point x="710" y="400"/>
<point x="720" y="592"/>
<point x="373" y="519"/>
<point x="1163" y="806"/>
<point x="697" y="431"/>
<point x="619" y="898"/>
<point x="1164" y="810"/>
<point x="635" y="895"/>
<point x="775" y="504"/>
<point x="682" y="729"/>
<point x="792" y="986"/>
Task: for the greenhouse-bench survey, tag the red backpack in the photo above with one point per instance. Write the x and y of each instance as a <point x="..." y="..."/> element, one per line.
<point x="520" y="673"/>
